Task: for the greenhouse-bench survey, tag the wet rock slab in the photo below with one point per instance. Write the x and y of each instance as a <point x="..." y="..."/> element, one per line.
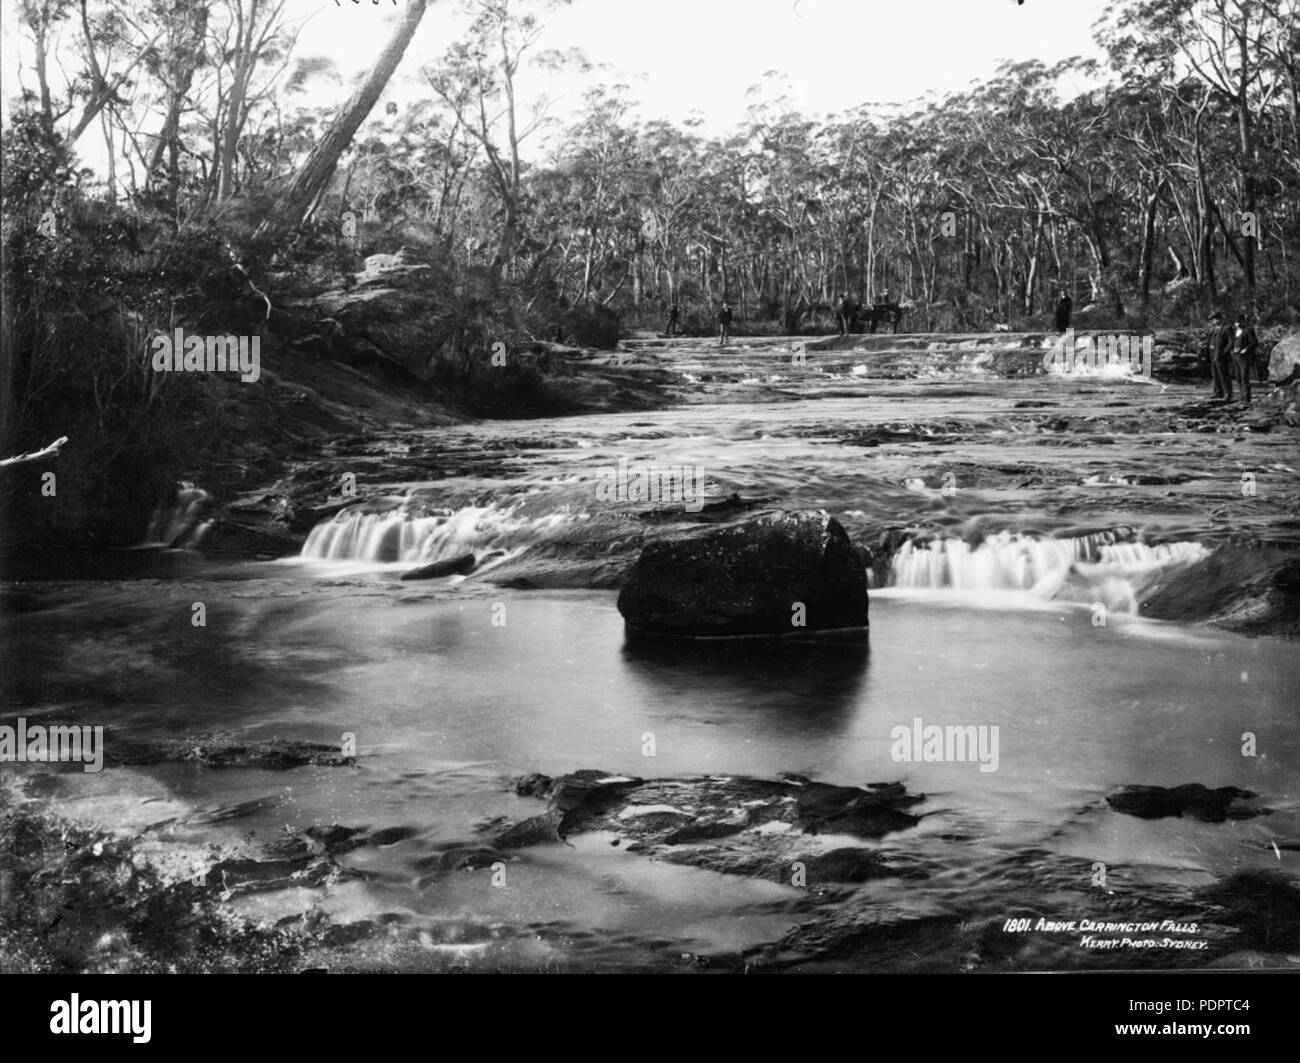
<point x="777" y="829"/>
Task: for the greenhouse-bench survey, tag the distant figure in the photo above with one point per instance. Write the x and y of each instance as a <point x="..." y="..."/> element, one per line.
<point x="847" y="315"/>
<point x="1245" y="345"/>
<point x="674" y="316"/>
<point x="724" y="324"/>
<point x="559" y="333"/>
<point x="1063" y="307"/>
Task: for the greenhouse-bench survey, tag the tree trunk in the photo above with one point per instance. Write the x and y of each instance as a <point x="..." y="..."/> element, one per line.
<point x="235" y="105"/>
<point x="312" y="180"/>
<point x="1205" y="210"/>
<point x="1148" y="246"/>
<point x="1245" y="160"/>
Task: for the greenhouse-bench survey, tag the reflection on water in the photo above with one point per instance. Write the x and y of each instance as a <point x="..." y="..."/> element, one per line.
<point x="795" y="684"/>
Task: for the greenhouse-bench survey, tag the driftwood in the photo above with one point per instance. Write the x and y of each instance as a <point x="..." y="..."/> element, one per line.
<point x="37" y="455"/>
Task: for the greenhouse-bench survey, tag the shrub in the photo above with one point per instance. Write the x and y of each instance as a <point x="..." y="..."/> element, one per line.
<point x="593" y="326"/>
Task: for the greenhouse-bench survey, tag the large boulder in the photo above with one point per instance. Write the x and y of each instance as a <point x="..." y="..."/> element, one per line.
<point x="781" y="574"/>
<point x="1285" y="358"/>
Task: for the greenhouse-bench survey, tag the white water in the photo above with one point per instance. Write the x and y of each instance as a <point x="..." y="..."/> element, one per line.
<point x="399" y="535"/>
<point x="1110" y="567"/>
<point x="1040" y="566"/>
<point x="179" y="525"/>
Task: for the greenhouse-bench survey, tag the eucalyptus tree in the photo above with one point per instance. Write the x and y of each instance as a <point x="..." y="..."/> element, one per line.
<point x="477" y="79"/>
<point x="1244" y="54"/>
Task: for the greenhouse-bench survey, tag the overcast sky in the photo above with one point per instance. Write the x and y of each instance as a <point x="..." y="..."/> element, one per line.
<point x="684" y="56"/>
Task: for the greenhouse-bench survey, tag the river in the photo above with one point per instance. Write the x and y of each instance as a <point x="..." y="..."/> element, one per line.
<point x="455" y="687"/>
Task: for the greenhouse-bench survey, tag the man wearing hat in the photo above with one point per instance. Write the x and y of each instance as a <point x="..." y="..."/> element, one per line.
<point x="1245" y="346"/>
<point x="724" y="324"/>
<point x="1217" y="346"/>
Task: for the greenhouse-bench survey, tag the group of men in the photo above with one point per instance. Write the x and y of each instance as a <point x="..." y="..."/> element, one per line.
<point x="725" y="315"/>
<point x="1232" y="350"/>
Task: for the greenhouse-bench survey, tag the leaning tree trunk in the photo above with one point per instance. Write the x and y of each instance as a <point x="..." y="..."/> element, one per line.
<point x="301" y="197"/>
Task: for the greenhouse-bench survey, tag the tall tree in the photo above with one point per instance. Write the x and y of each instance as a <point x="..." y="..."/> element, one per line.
<point x="304" y="192"/>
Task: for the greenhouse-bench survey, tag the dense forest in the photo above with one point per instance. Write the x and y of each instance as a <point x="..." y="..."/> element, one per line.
<point x="228" y="201"/>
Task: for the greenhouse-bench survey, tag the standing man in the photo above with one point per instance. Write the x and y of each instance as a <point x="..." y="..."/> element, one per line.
<point x="848" y="311"/>
<point x="1217" y="348"/>
<point x="1245" y="345"/>
<point x="724" y="324"/>
<point x="1063" y="307"/>
<point x="674" y="315"/>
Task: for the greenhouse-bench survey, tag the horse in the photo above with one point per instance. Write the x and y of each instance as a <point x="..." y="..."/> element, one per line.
<point x="878" y="312"/>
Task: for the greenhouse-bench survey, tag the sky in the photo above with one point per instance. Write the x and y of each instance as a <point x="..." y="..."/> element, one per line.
<point x="680" y="57"/>
<point x="684" y="56"/>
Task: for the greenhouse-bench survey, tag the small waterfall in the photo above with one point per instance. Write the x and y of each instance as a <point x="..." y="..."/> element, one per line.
<point x="415" y="536"/>
<point x="1102" y="562"/>
<point x="179" y="525"/>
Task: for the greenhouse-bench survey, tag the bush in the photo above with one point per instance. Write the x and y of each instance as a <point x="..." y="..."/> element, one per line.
<point x="516" y="389"/>
<point x="82" y="305"/>
<point x="593" y="326"/>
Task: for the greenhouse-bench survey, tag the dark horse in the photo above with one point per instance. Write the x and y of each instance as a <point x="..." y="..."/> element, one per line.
<point x="891" y="313"/>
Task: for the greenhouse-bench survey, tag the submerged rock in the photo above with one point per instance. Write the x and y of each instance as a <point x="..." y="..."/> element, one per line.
<point x="451" y="567"/>
<point x="781" y="574"/>
<point x="1264" y="906"/>
<point x="867" y="813"/>
<point x="227" y="751"/>
<point x="1192" y="800"/>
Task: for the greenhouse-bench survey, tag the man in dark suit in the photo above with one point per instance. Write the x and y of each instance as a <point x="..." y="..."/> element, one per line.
<point x="1063" y="307"/>
<point x="1217" y="347"/>
<point x="1245" y="346"/>
<point x="847" y="315"/>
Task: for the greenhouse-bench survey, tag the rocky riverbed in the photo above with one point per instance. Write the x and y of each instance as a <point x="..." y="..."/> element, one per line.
<point x="956" y="436"/>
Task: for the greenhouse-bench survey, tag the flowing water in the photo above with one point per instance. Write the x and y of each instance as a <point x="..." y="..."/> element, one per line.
<point x="987" y="616"/>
